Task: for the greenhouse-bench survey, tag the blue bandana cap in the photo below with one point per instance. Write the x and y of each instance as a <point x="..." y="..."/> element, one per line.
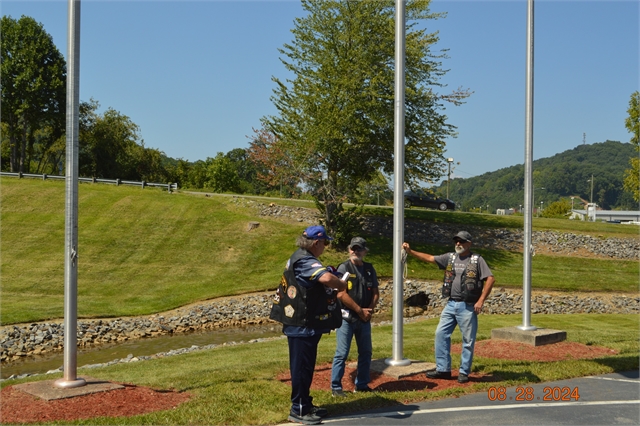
<point x="316" y="232"/>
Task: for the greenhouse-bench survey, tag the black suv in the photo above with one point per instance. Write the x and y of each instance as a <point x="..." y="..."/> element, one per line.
<point x="420" y="198"/>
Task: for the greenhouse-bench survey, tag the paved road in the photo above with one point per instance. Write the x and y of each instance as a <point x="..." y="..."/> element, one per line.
<point x="595" y="400"/>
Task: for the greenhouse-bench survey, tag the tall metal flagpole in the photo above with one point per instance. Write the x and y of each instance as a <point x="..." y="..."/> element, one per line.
<point x="398" y="195"/>
<point x="70" y="364"/>
<point x="528" y="177"/>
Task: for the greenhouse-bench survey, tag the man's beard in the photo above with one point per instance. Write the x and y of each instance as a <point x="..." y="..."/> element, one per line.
<point x="459" y="249"/>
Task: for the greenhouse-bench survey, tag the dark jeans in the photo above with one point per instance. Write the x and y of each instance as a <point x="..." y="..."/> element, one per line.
<point x="302" y="361"/>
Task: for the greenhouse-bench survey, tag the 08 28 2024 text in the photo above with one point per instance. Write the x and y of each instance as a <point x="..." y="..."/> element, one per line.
<point x="527" y="393"/>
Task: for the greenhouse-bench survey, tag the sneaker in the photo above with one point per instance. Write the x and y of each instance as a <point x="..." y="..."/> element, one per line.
<point x="338" y="393"/>
<point x="364" y="389"/>
<point x="319" y="411"/>
<point x="435" y="374"/>
<point x="462" y="378"/>
<point x="307" y="419"/>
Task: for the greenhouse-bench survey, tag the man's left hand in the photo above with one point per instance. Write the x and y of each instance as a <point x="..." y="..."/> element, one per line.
<point x="478" y="307"/>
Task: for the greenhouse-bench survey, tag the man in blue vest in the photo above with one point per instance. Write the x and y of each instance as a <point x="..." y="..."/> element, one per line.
<point x="467" y="284"/>
<point x="358" y="301"/>
<point x="307" y="306"/>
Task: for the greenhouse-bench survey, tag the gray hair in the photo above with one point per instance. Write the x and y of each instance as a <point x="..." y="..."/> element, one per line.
<point x="304" y="242"/>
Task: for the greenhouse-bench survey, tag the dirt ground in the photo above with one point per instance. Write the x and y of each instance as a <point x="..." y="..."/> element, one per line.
<point x="20" y="407"/>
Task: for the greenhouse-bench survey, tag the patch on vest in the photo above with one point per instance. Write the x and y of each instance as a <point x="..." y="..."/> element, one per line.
<point x="349" y="285"/>
<point x="289" y="311"/>
<point x="292" y="292"/>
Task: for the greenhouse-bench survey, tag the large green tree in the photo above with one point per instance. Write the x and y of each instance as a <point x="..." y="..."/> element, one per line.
<point x="33" y="80"/>
<point x="110" y="148"/>
<point x="336" y="116"/>
<point x="632" y="123"/>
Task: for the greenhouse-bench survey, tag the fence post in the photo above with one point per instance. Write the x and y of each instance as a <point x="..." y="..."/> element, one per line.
<point x="143" y="184"/>
<point x="44" y="177"/>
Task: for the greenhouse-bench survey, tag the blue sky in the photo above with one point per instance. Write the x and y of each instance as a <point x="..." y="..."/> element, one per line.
<point x="196" y="76"/>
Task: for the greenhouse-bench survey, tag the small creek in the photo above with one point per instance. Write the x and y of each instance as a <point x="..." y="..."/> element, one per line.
<point x="139" y="347"/>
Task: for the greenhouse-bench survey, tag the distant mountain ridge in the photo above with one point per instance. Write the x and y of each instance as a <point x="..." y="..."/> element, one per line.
<point x="564" y="175"/>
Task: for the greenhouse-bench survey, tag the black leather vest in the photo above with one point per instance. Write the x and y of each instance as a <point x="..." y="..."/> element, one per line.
<point x="359" y="286"/>
<point x="471" y="286"/>
<point x="315" y="307"/>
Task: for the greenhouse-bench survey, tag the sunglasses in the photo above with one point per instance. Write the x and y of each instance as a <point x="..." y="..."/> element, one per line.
<point x="356" y="248"/>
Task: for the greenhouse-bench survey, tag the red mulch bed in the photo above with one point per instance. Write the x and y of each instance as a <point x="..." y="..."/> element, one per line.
<point x="19" y="407"/>
<point x="493" y="348"/>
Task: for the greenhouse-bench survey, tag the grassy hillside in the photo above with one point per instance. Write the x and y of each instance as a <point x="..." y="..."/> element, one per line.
<point x="143" y="251"/>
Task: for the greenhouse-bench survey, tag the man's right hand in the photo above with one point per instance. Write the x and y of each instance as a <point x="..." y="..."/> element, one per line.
<point x="365" y="314"/>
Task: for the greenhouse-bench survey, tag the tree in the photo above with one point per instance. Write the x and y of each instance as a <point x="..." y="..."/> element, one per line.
<point x="33" y="80"/>
<point x="110" y="148"/>
<point x="246" y="169"/>
<point x="558" y="209"/>
<point x="632" y="123"/>
<point x="274" y="167"/>
<point x="108" y="143"/>
<point x="222" y="174"/>
<point x="336" y="117"/>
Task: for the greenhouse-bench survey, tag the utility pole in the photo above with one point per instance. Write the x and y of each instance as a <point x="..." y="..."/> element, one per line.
<point x="591" y="188"/>
<point x="449" y="160"/>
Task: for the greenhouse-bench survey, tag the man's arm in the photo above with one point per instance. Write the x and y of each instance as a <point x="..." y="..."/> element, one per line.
<point x="348" y="302"/>
<point x="425" y="257"/>
<point x="375" y="293"/>
<point x="375" y="296"/>
<point x="329" y="280"/>
<point x="488" y="285"/>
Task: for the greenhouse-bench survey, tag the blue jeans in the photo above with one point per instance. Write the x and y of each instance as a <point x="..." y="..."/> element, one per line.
<point x="463" y="315"/>
<point x="362" y="332"/>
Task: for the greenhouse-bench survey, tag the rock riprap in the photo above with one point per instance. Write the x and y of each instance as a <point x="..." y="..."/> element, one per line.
<point x="32" y="339"/>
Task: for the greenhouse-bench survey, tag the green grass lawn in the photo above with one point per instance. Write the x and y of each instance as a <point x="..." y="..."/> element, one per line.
<point x="237" y="384"/>
<point x="143" y="251"/>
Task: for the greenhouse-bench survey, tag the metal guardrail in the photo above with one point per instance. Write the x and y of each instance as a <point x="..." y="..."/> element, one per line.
<point x="169" y="186"/>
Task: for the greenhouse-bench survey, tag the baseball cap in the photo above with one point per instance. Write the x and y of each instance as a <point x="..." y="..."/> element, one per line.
<point x="358" y="241"/>
<point x="316" y="232"/>
<point x="463" y="235"/>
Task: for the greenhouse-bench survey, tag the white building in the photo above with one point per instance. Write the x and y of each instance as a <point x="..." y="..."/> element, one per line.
<point x="617" y="216"/>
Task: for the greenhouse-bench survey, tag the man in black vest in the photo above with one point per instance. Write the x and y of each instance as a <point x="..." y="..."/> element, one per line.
<point x="307" y="307"/>
<point x="467" y="284"/>
<point x="358" y="301"/>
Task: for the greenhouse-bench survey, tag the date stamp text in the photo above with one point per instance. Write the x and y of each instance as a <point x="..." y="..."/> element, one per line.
<point x="527" y="393"/>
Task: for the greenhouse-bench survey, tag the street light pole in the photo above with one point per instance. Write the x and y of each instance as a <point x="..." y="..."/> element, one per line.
<point x="449" y="160"/>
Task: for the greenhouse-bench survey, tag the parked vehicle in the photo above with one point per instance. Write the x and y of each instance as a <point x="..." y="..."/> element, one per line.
<point x="420" y="198"/>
